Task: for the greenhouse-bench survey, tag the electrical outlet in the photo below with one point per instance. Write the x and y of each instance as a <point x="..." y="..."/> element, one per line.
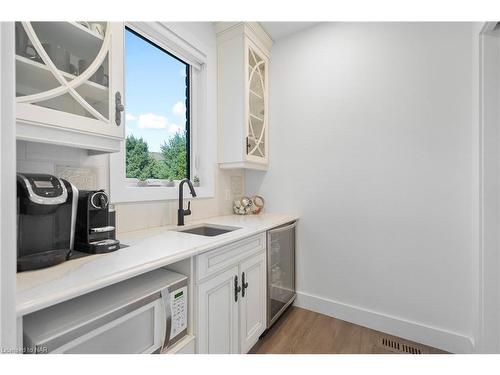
<point x="228" y="195"/>
<point x="236" y="185"/>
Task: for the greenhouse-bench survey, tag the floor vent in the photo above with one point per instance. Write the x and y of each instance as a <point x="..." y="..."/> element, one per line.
<point x="399" y="347"/>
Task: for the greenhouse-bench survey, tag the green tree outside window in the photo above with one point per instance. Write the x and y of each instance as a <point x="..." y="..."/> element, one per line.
<point x="171" y="162"/>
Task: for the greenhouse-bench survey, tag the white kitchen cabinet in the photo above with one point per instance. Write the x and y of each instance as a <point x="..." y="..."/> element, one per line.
<point x="69" y="83"/>
<point x="253" y="301"/>
<point x="243" y="51"/>
<point x="232" y="301"/>
<point x="218" y="315"/>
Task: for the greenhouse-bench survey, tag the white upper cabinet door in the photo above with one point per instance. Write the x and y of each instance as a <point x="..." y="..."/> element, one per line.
<point x="257" y="92"/>
<point x="218" y="314"/>
<point x="253" y="301"/>
<point x="69" y="75"/>
<point x="243" y="51"/>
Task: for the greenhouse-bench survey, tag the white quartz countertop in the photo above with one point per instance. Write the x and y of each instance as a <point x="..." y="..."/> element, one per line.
<point x="148" y="250"/>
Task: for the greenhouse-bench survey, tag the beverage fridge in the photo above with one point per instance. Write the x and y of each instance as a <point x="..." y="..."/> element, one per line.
<point x="280" y="270"/>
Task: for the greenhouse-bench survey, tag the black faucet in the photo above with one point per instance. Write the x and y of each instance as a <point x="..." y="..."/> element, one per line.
<point x="181" y="212"/>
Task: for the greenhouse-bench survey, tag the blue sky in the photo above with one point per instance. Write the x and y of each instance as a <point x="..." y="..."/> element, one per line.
<point x="154" y="92"/>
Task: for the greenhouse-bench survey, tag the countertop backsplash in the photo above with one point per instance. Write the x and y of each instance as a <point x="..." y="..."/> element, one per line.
<point x="82" y="177"/>
<point x="83" y="170"/>
<point x="142" y="215"/>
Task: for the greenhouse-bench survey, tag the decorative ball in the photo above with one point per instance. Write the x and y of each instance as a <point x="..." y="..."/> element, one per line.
<point x="258" y="204"/>
<point x="246" y="205"/>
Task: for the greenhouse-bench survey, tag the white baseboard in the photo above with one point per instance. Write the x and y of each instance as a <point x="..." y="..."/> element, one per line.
<point x="432" y="336"/>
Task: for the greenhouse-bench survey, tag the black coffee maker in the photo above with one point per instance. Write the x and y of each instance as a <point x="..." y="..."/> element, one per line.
<point x="95" y="233"/>
<point x="46" y="214"/>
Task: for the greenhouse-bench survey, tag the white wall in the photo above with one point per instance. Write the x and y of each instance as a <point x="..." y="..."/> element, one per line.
<point x="372" y="144"/>
<point x="490" y="264"/>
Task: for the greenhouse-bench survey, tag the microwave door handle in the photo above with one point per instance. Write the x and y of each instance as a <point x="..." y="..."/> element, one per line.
<point x="165" y="296"/>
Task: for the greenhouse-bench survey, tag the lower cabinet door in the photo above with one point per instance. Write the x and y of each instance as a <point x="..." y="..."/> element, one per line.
<point x="218" y="314"/>
<point x="252" y="300"/>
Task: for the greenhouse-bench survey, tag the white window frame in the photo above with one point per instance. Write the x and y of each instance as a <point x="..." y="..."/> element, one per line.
<point x="123" y="189"/>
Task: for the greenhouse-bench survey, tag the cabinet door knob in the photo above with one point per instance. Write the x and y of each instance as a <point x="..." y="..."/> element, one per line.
<point x="119" y="108"/>
<point x="244" y="284"/>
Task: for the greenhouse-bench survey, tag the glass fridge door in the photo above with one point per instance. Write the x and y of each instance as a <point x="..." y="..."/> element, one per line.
<point x="281" y="270"/>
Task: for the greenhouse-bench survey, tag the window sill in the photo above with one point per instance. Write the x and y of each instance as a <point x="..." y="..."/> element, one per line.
<point x="156" y="193"/>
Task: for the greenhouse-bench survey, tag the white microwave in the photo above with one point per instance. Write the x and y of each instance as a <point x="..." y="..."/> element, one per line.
<point x="145" y="314"/>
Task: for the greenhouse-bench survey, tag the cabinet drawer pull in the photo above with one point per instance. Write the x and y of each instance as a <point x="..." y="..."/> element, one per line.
<point x="237" y="289"/>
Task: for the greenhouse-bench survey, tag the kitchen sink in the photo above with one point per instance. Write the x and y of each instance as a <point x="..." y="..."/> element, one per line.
<point x="208" y="230"/>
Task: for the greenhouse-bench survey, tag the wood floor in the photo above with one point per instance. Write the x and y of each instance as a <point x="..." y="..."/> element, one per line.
<point x="301" y="331"/>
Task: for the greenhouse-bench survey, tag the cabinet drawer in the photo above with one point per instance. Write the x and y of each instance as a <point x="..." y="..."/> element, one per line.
<point x="216" y="260"/>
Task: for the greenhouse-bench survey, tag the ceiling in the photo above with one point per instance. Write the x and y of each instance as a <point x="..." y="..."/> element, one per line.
<point x="279" y="30"/>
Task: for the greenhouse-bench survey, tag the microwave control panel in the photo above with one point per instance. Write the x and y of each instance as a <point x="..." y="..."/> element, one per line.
<point x="178" y="304"/>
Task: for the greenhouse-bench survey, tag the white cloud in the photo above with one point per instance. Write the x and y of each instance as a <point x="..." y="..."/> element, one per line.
<point x="183" y="72"/>
<point x="152" y="121"/>
<point x="157" y="122"/>
<point x="130" y="117"/>
<point x="174" y="128"/>
<point x="179" y="109"/>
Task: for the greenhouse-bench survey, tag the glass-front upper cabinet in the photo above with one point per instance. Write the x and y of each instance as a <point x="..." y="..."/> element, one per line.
<point x="69" y="75"/>
<point x="257" y="104"/>
<point x="243" y="52"/>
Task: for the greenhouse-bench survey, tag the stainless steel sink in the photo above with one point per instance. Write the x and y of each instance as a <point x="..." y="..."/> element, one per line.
<point x="208" y="230"/>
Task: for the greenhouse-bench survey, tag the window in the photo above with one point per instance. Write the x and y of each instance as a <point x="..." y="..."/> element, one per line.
<point x="157" y="92"/>
<point x="166" y="64"/>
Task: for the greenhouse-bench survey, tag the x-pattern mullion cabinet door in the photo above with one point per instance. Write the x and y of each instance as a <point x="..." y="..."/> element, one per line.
<point x="257" y="104"/>
<point x="243" y="52"/>
<point x="69" y="75"/>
